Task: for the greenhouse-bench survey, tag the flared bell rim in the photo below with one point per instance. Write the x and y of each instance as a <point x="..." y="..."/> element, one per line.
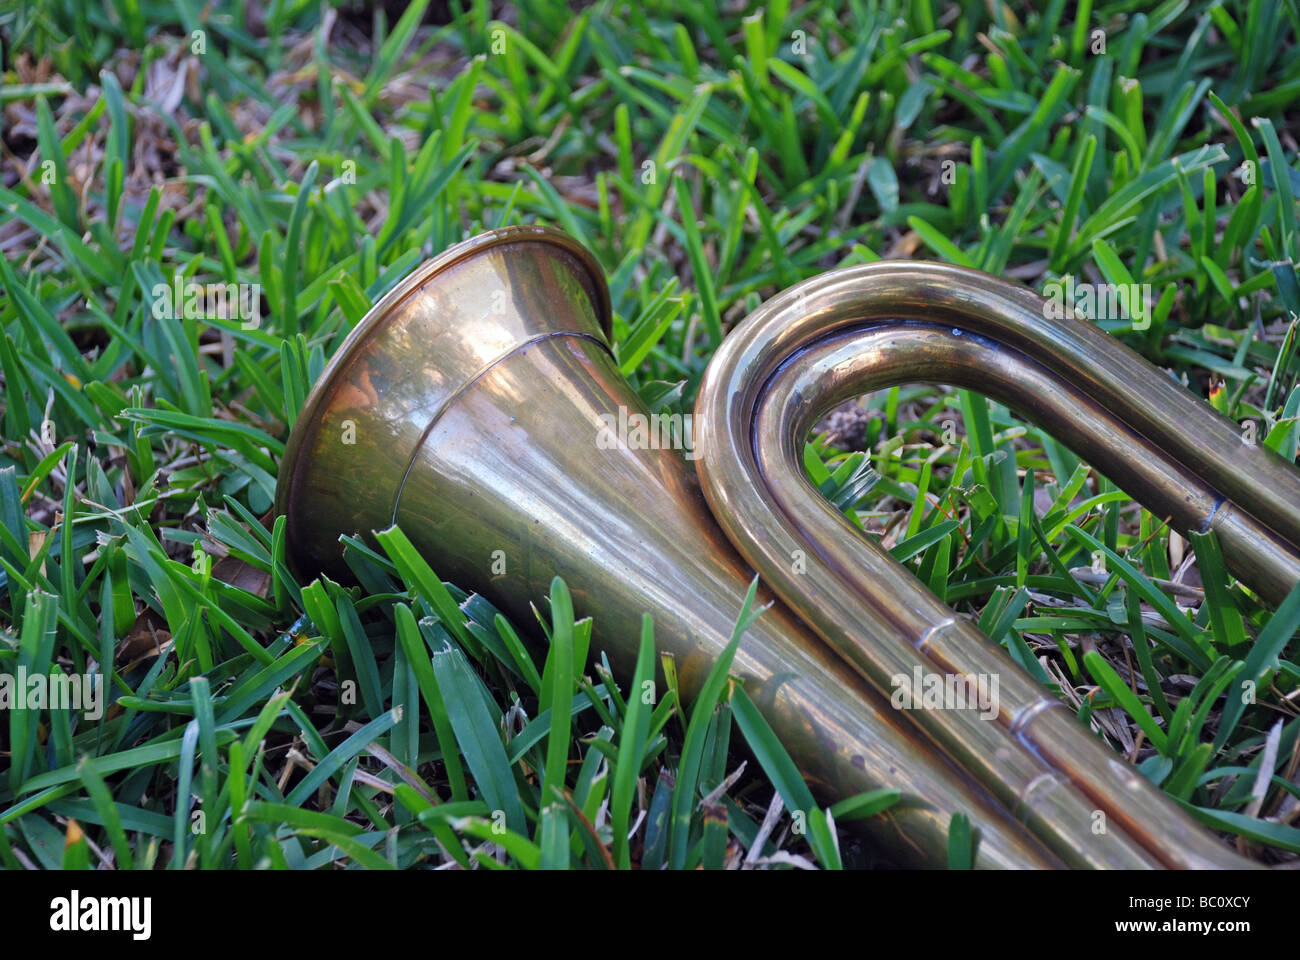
<point x="382" y="312"/>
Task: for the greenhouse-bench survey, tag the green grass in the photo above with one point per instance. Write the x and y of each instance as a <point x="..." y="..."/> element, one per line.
<point x="708" y="159"/>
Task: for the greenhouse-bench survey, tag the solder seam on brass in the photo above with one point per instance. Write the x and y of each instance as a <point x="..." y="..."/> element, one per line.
<point x="482" y="372"/>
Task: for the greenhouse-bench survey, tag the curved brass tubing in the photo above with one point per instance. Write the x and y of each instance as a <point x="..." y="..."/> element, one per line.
<point x="859" y="329"/>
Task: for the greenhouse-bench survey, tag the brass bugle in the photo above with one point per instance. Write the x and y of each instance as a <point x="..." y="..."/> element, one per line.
<point x="469" y="407"/>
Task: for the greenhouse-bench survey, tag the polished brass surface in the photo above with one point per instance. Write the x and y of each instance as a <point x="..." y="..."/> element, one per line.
<point x="473" y="394"/>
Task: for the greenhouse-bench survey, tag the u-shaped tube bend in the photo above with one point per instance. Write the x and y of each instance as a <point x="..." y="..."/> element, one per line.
<point x="862" y="328"/>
